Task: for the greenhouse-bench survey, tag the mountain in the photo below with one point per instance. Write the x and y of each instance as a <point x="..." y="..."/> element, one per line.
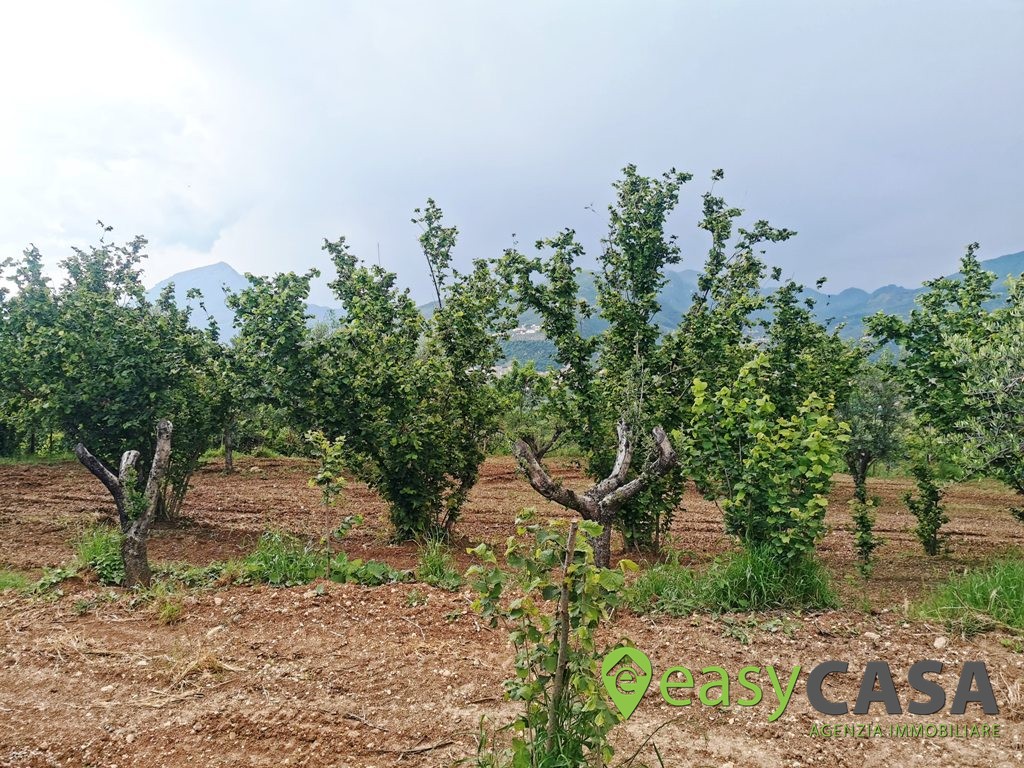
<point x="849" y="307"/>
<point x="212" y="281"/>
<point x="853" y="305"/>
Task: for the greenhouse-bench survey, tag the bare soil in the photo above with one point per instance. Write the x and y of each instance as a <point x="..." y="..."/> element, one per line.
<point x="342" y="675"/>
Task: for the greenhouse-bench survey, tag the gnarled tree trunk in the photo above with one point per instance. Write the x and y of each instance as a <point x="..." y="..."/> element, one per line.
<point x="134" y="531"/>
<point x="603" y="501"/>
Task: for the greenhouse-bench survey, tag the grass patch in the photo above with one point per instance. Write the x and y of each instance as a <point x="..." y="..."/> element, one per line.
<point x="279" y="559"/>
<point x="664" y="588"/>
<point x="436" y="567"/>
<point x="99" y="548"/>
<point x="13" y="580"/>
<point x="260" y="452"/>
<point x="36" y="459"/>
<point x="283" y="560"/>
<point x="163" y="599"/>
<point x="980" y="600"/>
<point x="751" y="580"/>
<point x="755" y="581"/>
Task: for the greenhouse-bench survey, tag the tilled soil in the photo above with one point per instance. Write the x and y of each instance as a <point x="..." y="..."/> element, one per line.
<point x="341" y="675"/>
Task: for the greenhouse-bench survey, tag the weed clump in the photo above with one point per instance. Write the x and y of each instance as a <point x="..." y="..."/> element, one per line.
<point x="99" y="549"/>
<point x="283" y="560"/>
<point x="436" y="567"/>
<point x="752" y="580"/>
<point x="980" y="600"/>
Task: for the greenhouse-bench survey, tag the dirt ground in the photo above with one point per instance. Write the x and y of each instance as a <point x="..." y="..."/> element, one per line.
<point x="344" y="675"/>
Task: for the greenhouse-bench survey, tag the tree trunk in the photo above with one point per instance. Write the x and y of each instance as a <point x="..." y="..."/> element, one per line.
<point x="602" y="546"/>
<point x="603" y="501"/>
<point x="134" y="531"/>
<point x="558" y="684"/>
<point x="171" y="498"/>
<point x="860" y="477"/>
<point x="136" y="560"/>
<point x="229" y="452"/>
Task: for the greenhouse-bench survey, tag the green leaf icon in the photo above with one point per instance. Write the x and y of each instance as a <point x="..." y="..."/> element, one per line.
<point x="627" y="674"/>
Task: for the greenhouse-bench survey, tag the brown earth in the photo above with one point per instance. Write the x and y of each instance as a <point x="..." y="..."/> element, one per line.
<point x="343" y="675"/>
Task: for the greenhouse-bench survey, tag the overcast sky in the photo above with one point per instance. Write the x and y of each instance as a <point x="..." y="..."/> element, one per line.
<point x="889" y="134"/>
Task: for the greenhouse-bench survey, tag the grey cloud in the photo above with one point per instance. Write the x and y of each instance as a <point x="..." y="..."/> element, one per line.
<point x="886" y="134"/>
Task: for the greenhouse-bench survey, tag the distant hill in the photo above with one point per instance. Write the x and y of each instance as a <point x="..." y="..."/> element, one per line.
<point x="849" y="307"/>
<point x="853" y="305"/>
<point x="212" y="281"/>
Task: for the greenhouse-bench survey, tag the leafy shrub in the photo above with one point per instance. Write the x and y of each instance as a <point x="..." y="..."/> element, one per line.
<point x="437" y="567"/>
<point x="772" y="472"/>
<point x="927" y="508"/>
<point x="329" y="478"/>
<point x="373" y="573"/>
<point x="99" y="548"/>
<point x="565" y="719"/>
<point x="755" y="579"/>
<point x="981" y="599"/>
<point x="412" y="396"/>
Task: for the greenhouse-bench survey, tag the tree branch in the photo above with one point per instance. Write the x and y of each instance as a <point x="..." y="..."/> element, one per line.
<point x="544" y="485"/>
<point x="128" y="461"/>
<point x="606" y="497"/>
<point x="623" y="458"/>
<point x="658" y="466"/>
<point x="105" y="476"/>
<point x="540" y="449"/>
<point x="97" y="467"/>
